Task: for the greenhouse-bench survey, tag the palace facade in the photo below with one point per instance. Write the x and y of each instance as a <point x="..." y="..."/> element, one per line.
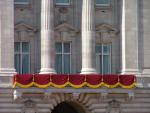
<point x="65" y="37"/>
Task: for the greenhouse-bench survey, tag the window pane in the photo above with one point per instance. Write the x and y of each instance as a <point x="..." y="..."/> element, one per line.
<point x="66" y="47"/>
<point x="25" y="64"/>
<point x="106" y="48"/>
<point x="21" y="0"/>
<point x="17" y="63"/>
<point x="99" y="63"/>
<point x="25" y="47"/>
<point x="62" y="1"/>
<point x="106" y="64"/>
<point x="58" y="48"/>
<point x="66" y="64"/>
<point x="102" y="2"/>
<point x="17" y="47"/>
<point x="58" y="63"/>
<point x="98" y="48"/>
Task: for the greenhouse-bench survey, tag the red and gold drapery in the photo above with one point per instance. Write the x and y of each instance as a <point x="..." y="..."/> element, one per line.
<point x="74" y="80"/>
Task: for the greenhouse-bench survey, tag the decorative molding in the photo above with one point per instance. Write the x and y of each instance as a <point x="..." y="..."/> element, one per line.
<point x="106" y="31"/>
<point x="65" y="27"/>
<point x="29" y="107"/>
<point x="29" y="104"/>
<point x="131" y="96"/>
<point x="24" y="32"/>
<point x="65" y="32"/>
<point x="17" y="95"/>
<point x="106" y="28"/>
<point x="75" y="96"/>
<point x="114" y="106"/>
<point x="23" y="26"/>
<point x="103" y="95"/>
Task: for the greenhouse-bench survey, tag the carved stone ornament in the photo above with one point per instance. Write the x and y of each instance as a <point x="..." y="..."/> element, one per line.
<point x="114" y="107"/>
<point x="29" y="104"/>
<point x="63" y="10"/>
<point x="75" y="96"/>
<point x="29" y="107"/>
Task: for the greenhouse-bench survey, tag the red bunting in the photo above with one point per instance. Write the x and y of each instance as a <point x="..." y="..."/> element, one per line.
<point x="94" y="79"/>
<point x="110" y="79"/>
<point x="59" y="79"/>
<point x="42" y="79"/>
<point x="74" y="80"/>
<point x="126" y="80"/>
<point x="24" y="79"/>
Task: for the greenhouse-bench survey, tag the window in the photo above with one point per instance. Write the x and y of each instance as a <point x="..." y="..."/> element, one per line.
<point x="63" y="58"/>
<point x="103" y="58"/>
<point x="22" y="57"/>
<point x="102" y="2"/>
<point x="21" y="1"/>
<point x="62" y="2"/>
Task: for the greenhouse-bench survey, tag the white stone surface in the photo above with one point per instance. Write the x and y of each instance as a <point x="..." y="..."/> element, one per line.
<point x="129" y="33"/>
<point x="47" y="37"/>
<point x="88" y="37"/>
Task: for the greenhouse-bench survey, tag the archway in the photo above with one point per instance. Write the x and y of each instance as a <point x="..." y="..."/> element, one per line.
<point x="67" y="107"/>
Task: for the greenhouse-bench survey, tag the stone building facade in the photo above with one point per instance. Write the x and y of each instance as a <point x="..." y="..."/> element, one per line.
<point x="75" y="36"/>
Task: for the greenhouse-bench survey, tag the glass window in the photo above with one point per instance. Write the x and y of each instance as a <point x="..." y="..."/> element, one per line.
<point x="103" y="58"/>
<point x="102" y="2"/>
<point x="63" y="58"/>
<point x="62" y="2"/>
<point x="21" y="1"/>
<point x="22" y="57"/>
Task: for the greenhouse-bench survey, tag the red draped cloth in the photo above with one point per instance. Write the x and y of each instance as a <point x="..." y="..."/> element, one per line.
<point x="126" y="80"/>
<point x="24" y="79"/>
<point x="77" y="81"/>
<point x="42" y="80"/>
<point x="74" y="80"/>
<point x="110" y="81"/>
<point x="94" y="79"/>
<point x="59" y="80"/>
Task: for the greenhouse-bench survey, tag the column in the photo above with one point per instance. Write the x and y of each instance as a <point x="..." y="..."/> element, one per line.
<point x="88" y="37"/>
<point x="6" y="41"/>
<point x="47" y="37"/>
<point x="130" y="63"/>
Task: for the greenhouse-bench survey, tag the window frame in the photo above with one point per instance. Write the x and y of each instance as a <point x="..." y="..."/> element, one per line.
<point x="63" y="4"/>
<point x="62" y="53"/>
<point x="103" y="5"/>
<point x="21" y="53"/>
<point x="102" y="54"/>
<point x="21" y="3"/>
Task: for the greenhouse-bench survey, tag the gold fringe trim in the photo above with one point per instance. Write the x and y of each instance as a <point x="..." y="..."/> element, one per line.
<point x="75" y="86"/>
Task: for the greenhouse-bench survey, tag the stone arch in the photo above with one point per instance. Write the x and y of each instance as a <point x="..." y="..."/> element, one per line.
<point x="67" y="106"/>
<point x="81" y="102"/>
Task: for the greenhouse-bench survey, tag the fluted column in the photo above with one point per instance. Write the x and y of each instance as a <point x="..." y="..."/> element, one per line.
<point x="47" y="37"/>
<point x="130" y="49"/>
<point x="7" y="69"/>
<point x="88" y="37"/>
